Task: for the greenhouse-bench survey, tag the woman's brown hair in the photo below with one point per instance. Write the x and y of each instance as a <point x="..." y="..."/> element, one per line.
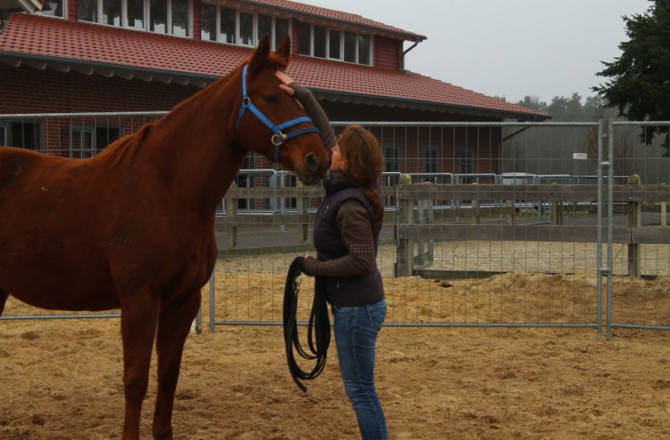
<point x="365" y="163"/>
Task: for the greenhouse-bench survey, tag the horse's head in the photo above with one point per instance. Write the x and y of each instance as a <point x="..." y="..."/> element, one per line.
<point x="272" y="123"/>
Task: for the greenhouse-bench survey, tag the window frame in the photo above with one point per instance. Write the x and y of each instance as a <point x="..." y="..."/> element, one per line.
<point x="431" y="160"/>
<point x="391" y="157"/>
<point x="9" y="126"/>
<point x="236" y="40"/>
<point x="80" y="130"/>
<point x="93" y="131"/>
<point x="337" y="37"/>
<point x="466" y="160"/>
<point x="146" y="10"/>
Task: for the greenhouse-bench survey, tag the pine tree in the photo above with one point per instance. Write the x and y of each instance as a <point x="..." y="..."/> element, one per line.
<point x="639" y="84"/>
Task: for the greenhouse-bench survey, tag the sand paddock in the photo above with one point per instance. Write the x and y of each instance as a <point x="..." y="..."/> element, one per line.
<point x="62" y="378"/>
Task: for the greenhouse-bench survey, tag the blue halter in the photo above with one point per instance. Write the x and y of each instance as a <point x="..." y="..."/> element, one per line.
<point x="278" y="137"/>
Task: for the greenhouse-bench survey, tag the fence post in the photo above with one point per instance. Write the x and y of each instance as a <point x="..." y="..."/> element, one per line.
<point x="509" y="212"/>
<point x="664" y="213"/>
<point x="405" y="247"/>
<point x="426" y="216"/>
<point x="556" y="210"/>
<point x="476" y="210"/>
<point x="634" y="219"/>
<point x="231" y="213"/>
<point x="302" y="202"/>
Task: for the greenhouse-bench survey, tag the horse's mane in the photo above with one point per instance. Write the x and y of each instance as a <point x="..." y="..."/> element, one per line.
<point x="123" y="150"/>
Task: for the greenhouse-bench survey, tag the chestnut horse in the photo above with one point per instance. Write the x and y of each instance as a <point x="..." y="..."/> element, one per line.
<point x="133" y="228"/>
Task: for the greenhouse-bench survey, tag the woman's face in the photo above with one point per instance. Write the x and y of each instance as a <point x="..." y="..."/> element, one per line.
<point x="336" y="160"/>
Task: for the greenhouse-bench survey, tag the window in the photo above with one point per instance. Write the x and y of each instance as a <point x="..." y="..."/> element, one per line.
<point x="161" y="16"/>
<point x="350" y="47"/>
<point x="431" y="164"/>
<point x="281" y="31"/>
<point x="53" y="8"/>
<point x="466" y="161"/>
<point x="363" y="49"/>
<point x="81" y="142"/>
<point x="228" y="25"/>
<point x="88" y="10"/>
<point x="135" y="14"/>
<point x="334" y="45"/>
<point x="180" y="18"/>
<point x="157" y="16"/>
<point x="264" y="27"/>
<point x="111" y="12"/>
<point x="246" y="29"/>
<point x="391" y="158"/>
<point x="320" y="37"/>
<point x="208" y="23"/>
<point x="321" y="42"/>
<point x="304" y="39"/>
<point x="23" y="134"/>
<point x="89" y="140"/>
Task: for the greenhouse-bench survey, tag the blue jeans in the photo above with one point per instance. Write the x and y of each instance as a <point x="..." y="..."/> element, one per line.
<point x="356" y="330"/>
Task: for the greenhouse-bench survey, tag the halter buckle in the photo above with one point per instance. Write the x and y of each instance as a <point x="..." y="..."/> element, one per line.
<point x="278" y="138"/>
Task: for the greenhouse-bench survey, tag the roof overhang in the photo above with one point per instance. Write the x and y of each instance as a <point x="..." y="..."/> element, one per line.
<point x="107" y="70"/>
<point x="411" y="104"/>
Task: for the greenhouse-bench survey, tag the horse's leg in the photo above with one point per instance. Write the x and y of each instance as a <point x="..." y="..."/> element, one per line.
<point x="139" y="316"/>
<point x="3" y="298"/>
<point x="174" y="324"/>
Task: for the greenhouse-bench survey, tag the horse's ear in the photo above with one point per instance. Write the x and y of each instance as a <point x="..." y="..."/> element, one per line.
<point x="284" y="48"/>
<point x="260" y="57"/>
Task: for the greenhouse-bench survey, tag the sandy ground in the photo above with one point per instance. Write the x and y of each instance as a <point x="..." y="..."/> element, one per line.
<point x="62" y="378"/>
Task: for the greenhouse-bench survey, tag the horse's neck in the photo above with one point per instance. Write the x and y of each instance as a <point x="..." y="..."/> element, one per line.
<point x="194" y="147"/>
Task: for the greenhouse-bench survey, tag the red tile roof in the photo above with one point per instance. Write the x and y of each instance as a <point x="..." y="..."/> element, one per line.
<point x="33" y="38"/>
<point x="332" y="15"/>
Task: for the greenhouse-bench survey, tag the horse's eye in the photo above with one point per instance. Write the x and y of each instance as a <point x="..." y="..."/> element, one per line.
<point x="270" y="99"/>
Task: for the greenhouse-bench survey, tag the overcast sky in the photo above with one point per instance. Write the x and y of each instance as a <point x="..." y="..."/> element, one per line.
<point x="508" y="48"/>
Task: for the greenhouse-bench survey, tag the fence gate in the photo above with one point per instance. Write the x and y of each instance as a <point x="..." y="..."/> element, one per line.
<point x="645" y="222"/>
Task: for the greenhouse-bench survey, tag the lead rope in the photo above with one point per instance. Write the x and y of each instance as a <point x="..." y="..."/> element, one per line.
<point x="318" y="328"/>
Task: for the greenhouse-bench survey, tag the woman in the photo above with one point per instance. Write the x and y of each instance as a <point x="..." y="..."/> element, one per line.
<point x="346" y="235"/>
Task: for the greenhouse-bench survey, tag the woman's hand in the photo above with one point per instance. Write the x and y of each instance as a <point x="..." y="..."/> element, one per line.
<point x="286" y="82"/>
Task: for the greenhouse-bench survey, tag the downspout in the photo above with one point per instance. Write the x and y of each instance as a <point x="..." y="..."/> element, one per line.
<point x="416" y="43"/>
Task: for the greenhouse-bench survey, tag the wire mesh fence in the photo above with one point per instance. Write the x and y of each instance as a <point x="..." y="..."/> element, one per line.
<point x="486" y="224"/>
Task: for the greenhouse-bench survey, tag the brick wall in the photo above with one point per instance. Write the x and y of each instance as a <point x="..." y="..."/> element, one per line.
<point x="28" y="90"/>
<point x="387" y="53"/>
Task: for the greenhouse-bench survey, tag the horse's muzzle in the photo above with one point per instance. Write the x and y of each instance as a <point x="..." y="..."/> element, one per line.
<point x="312" y="170"/>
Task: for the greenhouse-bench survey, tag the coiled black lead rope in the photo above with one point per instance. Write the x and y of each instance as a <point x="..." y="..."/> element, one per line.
<point x="318" y="328"/>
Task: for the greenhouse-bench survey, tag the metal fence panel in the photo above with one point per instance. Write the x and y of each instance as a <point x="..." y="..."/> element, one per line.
<point x="508" y="224"/>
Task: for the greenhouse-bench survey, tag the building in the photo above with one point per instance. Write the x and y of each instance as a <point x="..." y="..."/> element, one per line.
<point x="147" y="55"/>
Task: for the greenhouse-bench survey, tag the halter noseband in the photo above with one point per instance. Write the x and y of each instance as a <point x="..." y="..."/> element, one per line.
<point x="278" y="136"/>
